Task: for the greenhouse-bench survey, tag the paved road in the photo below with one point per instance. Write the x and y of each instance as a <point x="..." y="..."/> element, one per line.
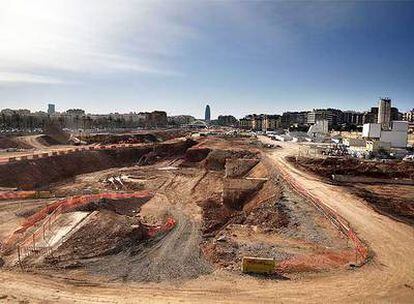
<point x="388" y="278"/>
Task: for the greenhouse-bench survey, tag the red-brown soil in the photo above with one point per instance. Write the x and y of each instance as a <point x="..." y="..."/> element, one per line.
<point x="228" y="204"/>
<point x="394" y="200"/>
<point x="140" y="137"/>
<point x="354" y="167"/>
<point x="33" y="174"/>
<point x="7" y="142"/>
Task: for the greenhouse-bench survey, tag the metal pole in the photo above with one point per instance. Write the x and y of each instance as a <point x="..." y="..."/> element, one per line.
<point x="18" y="256"/>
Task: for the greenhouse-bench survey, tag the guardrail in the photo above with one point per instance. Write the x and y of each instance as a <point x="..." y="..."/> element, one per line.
<point x="339" y="222"/>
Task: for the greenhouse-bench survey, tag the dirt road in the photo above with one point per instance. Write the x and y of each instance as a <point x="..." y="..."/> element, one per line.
<point x="36" y="147"/>
<point x="33" y="141"/>
<point x="389" y="277"/>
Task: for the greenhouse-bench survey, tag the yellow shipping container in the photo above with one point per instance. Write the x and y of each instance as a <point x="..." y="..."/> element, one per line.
<point x="258" y="265"/>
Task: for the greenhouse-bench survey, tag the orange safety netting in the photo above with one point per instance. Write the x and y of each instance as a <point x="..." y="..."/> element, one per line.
<point x="6" y="195"/>
<point x="52" y="211"/>
<point x="337" y="220"/>
<point x="168" y="225"/>
<point x="67" y="204"/>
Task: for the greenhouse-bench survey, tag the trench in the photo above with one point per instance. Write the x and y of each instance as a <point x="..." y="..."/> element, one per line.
<point x="37" y="173"/>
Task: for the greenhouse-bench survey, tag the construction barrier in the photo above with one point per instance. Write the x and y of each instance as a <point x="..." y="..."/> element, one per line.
<point x="50" y="212"/>
<point x="169" y="224"/>
<point x="28" y="245"/>
<point x="258" y="265"/>
<point x="12" y="195"/>
<point x="337" y="220"/>
<point x="8" y="195"/>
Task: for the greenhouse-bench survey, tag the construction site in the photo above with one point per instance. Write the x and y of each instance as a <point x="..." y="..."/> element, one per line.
<point x="166" y="216"/>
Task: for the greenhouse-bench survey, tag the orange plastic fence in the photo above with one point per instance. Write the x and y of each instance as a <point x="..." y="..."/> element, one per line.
<point x="52" y="211"/>
<point x="337" y="220"/>
<point x="168" y="225"/>
<point x="6" y="195"/>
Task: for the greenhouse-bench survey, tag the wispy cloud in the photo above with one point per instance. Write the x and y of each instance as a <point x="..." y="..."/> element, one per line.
<point x="94" y="37"/>
<point x="27" y="78"/>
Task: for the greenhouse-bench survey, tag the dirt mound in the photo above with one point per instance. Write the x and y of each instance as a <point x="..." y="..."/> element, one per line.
<point x="171" y="256"/>
<point x="107" y="139"/>
<point x="7" y="142"/>
<point x="104" y="233"/>
<point x="216" y="215"/>
<point x="324" y="260"/>
<point x="47" y="141"/>
<point x="239" y="167"/>
<point x="216" y="159"/>
<point x="392" y="200"/>
<point x="354" y="167"/>
<point x="54" y="135"/>
<point x="257" y="217"/>
<point x="269" y="215"/>
<point x="258" y="171"/>
<point x="237" y="191"/>
<point x="135" y="138"/>
<point x="196" y="154"/>
<point x="128" y="207"/>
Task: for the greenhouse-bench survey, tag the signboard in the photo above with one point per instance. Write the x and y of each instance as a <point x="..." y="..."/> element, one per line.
<point x="258" y="265"/>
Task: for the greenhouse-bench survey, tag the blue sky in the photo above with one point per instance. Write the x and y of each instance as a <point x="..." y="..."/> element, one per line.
<point x="238" y="56"/>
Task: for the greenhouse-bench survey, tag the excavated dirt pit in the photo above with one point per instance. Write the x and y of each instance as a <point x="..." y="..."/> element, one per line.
<point x="384" y="186"/>
<point x="225" y="203"/>
<point x="354" y="167"/>
<point x="40" y="173"/>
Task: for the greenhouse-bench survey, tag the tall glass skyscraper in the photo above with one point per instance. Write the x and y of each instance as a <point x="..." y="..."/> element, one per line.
<point x="207" y="115"/>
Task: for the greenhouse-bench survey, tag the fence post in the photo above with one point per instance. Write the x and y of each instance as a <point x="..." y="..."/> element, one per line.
<point x="19" y="257"/>
<point x="356" y="256"/>
<point x="34" y="242"/>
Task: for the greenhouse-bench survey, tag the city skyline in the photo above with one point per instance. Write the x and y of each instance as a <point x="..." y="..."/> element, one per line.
<point x="240" y="57"/>
<point x="54" y="109"/>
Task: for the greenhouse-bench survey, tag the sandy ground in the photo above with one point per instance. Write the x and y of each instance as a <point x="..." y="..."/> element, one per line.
<point x="388" y="277"/>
